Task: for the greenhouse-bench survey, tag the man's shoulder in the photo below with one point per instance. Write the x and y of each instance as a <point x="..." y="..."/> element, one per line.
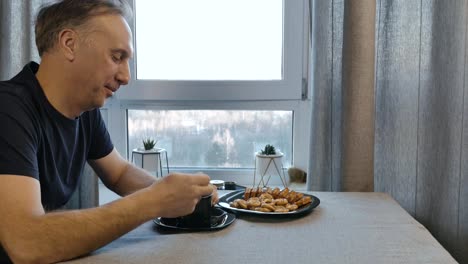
<point x="14" y="92"/>
<point x="19" y="86"/>
<point x="18" y="103"/>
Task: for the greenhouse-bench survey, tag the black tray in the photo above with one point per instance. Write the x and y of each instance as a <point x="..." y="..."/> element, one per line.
<point x="226" y="199"/>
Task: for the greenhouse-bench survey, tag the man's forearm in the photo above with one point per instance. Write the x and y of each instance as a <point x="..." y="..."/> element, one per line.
<point x="132" y="180"/>
<point x="29" y="235"/>
<point x="63" y="235"/>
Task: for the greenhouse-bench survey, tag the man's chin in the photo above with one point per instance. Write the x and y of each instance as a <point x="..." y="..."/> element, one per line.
<point x="101" y="104"/>
<point x="97" y="104"/>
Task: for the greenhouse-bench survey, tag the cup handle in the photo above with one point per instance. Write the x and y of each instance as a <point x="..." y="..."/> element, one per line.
<point x="218" y="219"/>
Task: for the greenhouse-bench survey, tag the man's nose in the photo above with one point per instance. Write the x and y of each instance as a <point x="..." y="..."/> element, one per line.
<point x="123" y="76"/>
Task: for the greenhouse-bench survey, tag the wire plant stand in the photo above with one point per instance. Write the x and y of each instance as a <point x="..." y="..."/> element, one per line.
<point x="273" y="160"/>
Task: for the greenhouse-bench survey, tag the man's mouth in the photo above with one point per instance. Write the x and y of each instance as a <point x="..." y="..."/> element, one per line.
<point x="111" y="89"/>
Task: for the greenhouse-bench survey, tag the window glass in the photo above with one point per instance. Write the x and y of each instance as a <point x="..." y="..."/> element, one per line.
<point x="212" y="138"/>
<point x="209" y="39"/>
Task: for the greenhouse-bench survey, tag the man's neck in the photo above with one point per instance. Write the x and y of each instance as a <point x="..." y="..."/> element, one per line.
<point x="57" y="86"/>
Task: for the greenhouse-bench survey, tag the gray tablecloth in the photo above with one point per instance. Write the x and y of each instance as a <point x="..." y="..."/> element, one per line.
<point x="344" y="228"/>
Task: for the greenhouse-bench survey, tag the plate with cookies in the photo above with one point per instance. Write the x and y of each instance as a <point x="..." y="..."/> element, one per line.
<point x="269" y="201"/>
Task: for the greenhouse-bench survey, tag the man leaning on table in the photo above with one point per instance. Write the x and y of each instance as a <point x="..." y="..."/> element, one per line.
<point x="52" y="126"/>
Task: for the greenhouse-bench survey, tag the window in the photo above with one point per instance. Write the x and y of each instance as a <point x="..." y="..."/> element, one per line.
<point x="194" y="76"/>
<point x="212" y="138"/>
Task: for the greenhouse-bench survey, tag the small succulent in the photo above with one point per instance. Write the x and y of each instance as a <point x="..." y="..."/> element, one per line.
<point x="149" y="143"/>
<point x="268" y="150"/>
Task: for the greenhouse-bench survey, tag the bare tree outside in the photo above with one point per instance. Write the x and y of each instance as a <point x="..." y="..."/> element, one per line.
<point x="212" y="138"/>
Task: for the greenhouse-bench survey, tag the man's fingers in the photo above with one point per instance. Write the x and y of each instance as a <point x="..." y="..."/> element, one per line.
<point x="200" y="179"/>
<point x="205" y="190"/>
<point x="214" y="198"/>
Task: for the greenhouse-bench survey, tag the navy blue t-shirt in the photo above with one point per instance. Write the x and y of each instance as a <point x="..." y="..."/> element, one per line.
<point x="38" y="141"/>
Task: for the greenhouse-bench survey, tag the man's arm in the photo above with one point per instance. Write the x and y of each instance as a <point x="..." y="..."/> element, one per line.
<point x="123" y="177"/>
<point x="119" y="175"/>
<point x="28" y="234"/>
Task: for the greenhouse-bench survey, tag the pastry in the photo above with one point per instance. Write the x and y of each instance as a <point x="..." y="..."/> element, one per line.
<point x="271" y="200"/>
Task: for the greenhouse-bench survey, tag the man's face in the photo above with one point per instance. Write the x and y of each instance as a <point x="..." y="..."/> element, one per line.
<point x="102" y="60"/>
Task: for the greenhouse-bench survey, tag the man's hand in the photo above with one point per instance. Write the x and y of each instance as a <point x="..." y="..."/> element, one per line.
<point x="177" y="194"/>
<point x="214" y="196"/>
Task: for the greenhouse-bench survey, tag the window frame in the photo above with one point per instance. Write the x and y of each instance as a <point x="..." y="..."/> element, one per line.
<point x="116" y="111"/>
<point x="117" y="116"/>
<point x="289" y="88"/>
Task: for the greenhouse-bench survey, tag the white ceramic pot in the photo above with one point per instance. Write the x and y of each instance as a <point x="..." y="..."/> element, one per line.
<point x="147" y="159"/>
<point x="265" y="164"/>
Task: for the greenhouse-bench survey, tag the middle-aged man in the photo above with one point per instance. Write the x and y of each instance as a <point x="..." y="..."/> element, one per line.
<point x="52" y="126"/>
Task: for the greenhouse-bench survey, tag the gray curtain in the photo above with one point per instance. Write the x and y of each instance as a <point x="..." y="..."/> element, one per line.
<point x="414" y="141"/>
<point x="343" y="54"/>
<point x="17" y="47"/>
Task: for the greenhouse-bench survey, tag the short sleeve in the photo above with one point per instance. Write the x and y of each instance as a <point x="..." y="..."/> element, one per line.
<point x="101" y="143"/>
<point x="18" y="140"/>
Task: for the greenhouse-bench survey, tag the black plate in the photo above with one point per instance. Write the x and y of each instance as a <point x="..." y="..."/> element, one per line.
<point x="226" y="199"/>
<point x="171" y="223"/>
<point x="236" y="187"/>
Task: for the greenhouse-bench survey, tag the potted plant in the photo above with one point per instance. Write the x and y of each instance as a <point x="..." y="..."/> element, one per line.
<point x="268" y="150"/>
<point x="147" y="157"/>
<point x="269" y="162"/>
<point x="149" y="144"/>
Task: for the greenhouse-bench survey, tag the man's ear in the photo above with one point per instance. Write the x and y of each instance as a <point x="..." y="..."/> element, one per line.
<point x="68" y="41"/>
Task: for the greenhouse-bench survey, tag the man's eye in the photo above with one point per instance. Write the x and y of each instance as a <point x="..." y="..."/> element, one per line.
<point x="115" y="58"/>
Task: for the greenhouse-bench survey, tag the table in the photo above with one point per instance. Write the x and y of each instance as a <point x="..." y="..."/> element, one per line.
<point x="344" y="228"/>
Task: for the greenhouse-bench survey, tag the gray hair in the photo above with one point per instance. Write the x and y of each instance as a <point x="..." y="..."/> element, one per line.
<point x="53" y="18"/>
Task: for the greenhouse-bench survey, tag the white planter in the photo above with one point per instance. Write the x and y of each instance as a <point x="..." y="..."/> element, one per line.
<point x="264" y="161"/>
<point x="267" y="166"/>
<point x="147" y="159"/>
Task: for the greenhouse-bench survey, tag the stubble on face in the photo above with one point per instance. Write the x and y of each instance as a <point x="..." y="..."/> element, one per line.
<point x="99" y="37"/>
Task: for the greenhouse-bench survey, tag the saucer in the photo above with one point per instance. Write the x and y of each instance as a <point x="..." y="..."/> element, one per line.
<point x="223" y="222"/>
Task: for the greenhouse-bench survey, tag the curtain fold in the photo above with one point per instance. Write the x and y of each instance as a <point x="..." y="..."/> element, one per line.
<point x="342" y="78"/>
<point x="322" y="169"/>
<point x="17" y="47"/>
<point x="357" y="161"/>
